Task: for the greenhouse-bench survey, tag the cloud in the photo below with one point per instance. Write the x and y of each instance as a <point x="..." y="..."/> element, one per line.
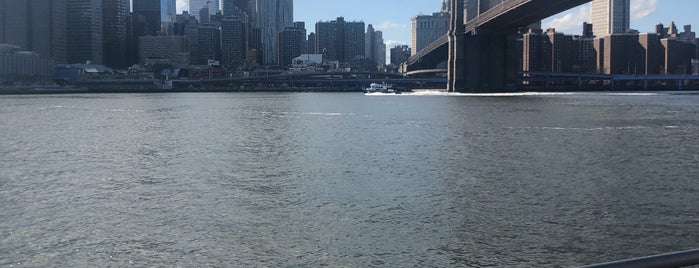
<point x="387" y="25"/>
<point x="393" y="43"/>
<point x="570" y="20"/>
<point x="182" y="5"/>
<point x="643" y="8"/>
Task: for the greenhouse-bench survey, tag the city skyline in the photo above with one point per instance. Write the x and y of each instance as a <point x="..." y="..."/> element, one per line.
<point x="396" y="28"/>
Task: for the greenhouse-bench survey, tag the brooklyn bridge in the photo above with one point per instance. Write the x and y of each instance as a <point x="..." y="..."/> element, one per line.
<point x="481" y="52"/>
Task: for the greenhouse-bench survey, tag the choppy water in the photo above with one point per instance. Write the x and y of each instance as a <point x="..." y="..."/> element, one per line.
<point x="346" y="180"/>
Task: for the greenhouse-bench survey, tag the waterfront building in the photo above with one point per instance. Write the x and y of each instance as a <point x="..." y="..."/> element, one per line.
<point x="209" y="44"/>
<point x="400" y="54"/>
<point x="678" y="56"/>
<point x="85" y="31"/>
<point x="340" y="40"/>
<point x="172" y="49"/>
<point x="115" y="16"/>
<point x="610" y="17"/>
<point x="556" y="52"/>
<point x="38" y="26"/>
<point x="272" y="16"/>
<point x="196" y="5"/>
<point x="428" y="28"/>
<point x="290" y="42"/>
<point x="652" y="53"/>
<point x="232" y="42"/>
<point x="23" y="65"/>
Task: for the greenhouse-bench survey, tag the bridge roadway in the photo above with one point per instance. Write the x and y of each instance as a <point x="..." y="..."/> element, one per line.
<point x="490" y="37"/>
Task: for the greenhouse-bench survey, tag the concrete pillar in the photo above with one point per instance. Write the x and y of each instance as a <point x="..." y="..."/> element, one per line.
<point x="456" y="57"/>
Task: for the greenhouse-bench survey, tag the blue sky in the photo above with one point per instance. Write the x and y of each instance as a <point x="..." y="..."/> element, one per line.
<point x="393" y="16"/>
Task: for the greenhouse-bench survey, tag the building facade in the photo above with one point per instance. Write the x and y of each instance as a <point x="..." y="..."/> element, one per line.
<point x="272" y="17"/>
<point x="38" y="26"/>
<point x="232" y="42"/>
<point x="290" y="42"/>
<point x="209" y="44"/>
<point x="168" y="15"/>
<point x="428" y="28"/>
<point x="85" y="31"/>
<point x="400" y="54"/>
<point x="375" y="47"/>
<point x="171" y="49"/>
<point x="610" y="17"/>
<point x="340" y="40"/>
<point x="115" y="24"/>
<point x="147" y="15"/>
<point x="196" y="5"/>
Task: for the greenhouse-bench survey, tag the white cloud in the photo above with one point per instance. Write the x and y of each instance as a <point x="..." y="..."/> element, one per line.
<point x="182" y="5"/>
<point x="642" y="8"/>
<point x="393" y="43"/>
<point x="570" y="20"/>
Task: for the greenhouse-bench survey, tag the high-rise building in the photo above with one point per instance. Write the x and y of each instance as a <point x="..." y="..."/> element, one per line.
<point x="428" y="28"/>
<point x="85" y="31"/>
<point x="209" y="44"/>
<point x="147" y="17"/>
<point x="168" y="14"/>
<point x="400" y="54"/>
<point x="38" y="26"/>
<point x="196" y="5"/>
<point x="290" y="42"/>
<point x="375" y="48"/>
<point x="115" y="15"/>
<point x="229" y="7"/>
<point x="232" y="42"/>
<point x="204" y="17"/>
<point x="301" y="26"/>
<point x="610" y="17"/>
<point x="272" y="17"/>
<point x="340" y="40"/>
<point x="171" y="49"/>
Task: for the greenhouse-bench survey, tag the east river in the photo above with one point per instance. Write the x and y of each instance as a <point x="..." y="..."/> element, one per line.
<point x="346" y="180"/>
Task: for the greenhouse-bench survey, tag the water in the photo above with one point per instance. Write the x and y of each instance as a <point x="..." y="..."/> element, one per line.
<point x="346" y="180"/>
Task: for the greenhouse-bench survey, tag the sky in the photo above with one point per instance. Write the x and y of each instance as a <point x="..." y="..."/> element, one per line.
<point x="392" y="17"/>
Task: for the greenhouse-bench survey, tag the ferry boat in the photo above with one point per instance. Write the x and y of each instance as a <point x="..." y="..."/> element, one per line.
<point x="381" y="88"/>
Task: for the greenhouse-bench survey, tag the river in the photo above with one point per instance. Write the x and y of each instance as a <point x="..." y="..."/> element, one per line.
<point x="346" y="180"/>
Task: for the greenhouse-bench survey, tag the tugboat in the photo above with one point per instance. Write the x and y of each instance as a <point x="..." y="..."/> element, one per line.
<point x="381" y="88"/>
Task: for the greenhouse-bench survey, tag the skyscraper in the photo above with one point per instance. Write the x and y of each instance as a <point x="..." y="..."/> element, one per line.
<point x="340" y="40"/>
<point x="85" y="31"/>
<point x="168" y="14"/>
<point x="290" y="43"/>
<point x="196" y="5"/>
<point x="610" y="16"/>
<point x="272" y="17"/>
<point x="229" y="7"/>
<point x="147" y="17"/>
<point x="115" y="15"/>
<point x="209" y="43"/>
<point x="232" y="42"/>
<point x="375" y="48"/>
<point x="38" y="26"/>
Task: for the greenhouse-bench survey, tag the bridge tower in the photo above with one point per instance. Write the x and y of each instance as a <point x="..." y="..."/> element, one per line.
<point x="457" y="37"/>
<point x="481" y="60"/>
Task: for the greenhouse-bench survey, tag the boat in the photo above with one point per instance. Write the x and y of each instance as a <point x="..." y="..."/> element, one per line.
<point x="381" y="88"/>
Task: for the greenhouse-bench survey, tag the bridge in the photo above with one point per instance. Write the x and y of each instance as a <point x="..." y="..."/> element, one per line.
<point x="481" y="53"/>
